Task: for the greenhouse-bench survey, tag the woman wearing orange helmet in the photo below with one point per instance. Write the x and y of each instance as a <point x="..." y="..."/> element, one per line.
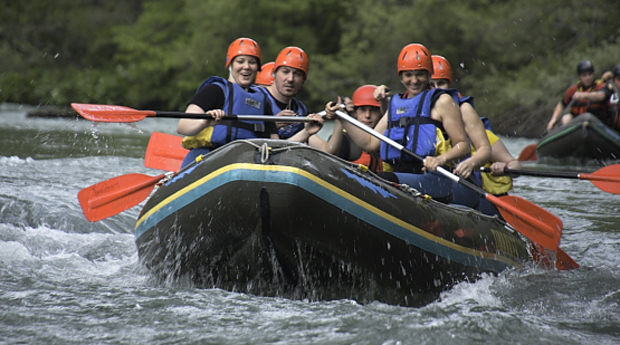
<point x="217" y="97"/>
<point x="419" y="119"/>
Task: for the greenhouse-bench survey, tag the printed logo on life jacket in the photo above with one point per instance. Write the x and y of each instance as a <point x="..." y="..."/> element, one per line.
<point x="403" y="110"/>
<point x="253" y="103"/>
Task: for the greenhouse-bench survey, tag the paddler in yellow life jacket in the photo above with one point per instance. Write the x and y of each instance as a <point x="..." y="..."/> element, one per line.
<point x="499" y="158"/>
<point x="418" y="119"/>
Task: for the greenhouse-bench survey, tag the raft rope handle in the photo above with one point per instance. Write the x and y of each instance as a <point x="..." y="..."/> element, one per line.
<point x="264" y="153"/>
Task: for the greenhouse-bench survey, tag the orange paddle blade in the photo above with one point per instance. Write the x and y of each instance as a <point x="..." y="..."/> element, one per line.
<point x="108" y="198"/>
<point x="533" y="221"/>
<point x="165" y="152"/>
<point x="606" y="179"/>
<point x="110" y="113"/>
<point x="528" y="153"/>
<point x="564" y="262"/>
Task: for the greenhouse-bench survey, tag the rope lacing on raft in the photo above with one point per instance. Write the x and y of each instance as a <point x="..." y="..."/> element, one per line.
<point x="265" y="151"/>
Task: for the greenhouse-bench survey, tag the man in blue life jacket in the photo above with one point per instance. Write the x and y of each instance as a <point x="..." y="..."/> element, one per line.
<point x="289" y="75"/>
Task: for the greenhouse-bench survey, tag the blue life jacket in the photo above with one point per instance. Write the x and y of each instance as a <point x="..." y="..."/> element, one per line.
<point x="239" y="102"/>
<point x="410" y="124"/>
<point x="296" y="105"/>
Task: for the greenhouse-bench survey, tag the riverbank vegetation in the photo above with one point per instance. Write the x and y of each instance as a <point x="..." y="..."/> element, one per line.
<point x="515" y="57"/>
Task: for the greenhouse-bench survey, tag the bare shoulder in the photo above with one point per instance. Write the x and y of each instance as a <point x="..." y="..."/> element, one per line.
<point x="445" y="106"/>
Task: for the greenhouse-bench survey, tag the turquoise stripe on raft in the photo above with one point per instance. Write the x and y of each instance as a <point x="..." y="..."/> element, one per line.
<point x="327" y="195"/>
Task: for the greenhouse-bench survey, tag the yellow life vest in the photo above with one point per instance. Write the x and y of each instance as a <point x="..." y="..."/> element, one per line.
<point x="202" y="139"/>
<point x="494" y="184"/>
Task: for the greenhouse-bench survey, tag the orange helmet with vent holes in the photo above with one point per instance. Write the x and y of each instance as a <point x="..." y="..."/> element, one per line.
<point x="415" y="57"/>
<point x="243" y="46"/>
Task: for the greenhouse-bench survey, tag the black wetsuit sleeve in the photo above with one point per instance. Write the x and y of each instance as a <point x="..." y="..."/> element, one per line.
<point x="209" y="97"/>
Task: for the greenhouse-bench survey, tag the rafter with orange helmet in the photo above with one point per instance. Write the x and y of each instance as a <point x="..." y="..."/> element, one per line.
<point x="442" y="68"/>
<point x="293" y="57"/>
<point x="364" y="95"/>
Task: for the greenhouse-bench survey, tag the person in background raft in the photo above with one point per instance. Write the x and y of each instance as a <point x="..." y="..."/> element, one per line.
<point x="422" y="120"/>
<point x="290" y="72"/>
<point x="589" y="95"/>
<point x="265" y="75"/>
<point x="614" y="100"/>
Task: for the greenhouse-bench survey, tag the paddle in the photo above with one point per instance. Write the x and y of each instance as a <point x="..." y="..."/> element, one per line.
<point x="606" y="179"/>
<point x="534" y="222"/>
<point x="113" y="196"/>
<point x="116" y="113"/>
<point x="165" y="152"/>
<point x="528" y="153"/>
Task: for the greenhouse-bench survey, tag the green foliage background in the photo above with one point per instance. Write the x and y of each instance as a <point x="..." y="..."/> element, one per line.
<point x="515" y="57"/>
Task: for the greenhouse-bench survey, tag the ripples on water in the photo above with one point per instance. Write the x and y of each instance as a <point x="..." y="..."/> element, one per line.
<point x="64" y="280"/>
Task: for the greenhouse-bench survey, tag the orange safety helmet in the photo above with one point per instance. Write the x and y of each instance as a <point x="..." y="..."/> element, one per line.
<point x="243" y="46"/>
<point x="364" y="95"/>
<point x="265" y="76"/>
<point x="442" y="68"/>
<point x="415" y="56"/>
<point x="293" y="57"/>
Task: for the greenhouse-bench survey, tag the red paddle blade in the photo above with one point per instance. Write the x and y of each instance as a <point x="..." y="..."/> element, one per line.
<point x="110" y="113"/>
<point x="108" y="198"/>
<point x="564" y="262"/>
<point x="528" y="153"/>
<point x="165" y="152"/>
<point x="533" y="221"/>
<point x="606" y="179"/>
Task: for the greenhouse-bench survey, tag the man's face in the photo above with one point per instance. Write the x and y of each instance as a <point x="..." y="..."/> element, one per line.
<point x="617" y="82"/>
<point x="289" y="80"/>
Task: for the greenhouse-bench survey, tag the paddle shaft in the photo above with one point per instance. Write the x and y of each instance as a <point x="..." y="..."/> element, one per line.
<point x="265" y="118"/>
<point x="536" y="173"/>
<point x="365" y="128"/>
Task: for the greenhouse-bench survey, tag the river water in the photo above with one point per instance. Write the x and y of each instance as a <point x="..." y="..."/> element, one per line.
<point x="64" y="280"/>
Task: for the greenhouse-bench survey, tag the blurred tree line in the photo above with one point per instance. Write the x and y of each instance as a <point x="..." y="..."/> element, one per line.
<point x="515" y="57"/>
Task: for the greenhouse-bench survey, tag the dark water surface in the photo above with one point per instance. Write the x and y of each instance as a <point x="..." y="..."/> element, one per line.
<point x="64" y="280"/>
